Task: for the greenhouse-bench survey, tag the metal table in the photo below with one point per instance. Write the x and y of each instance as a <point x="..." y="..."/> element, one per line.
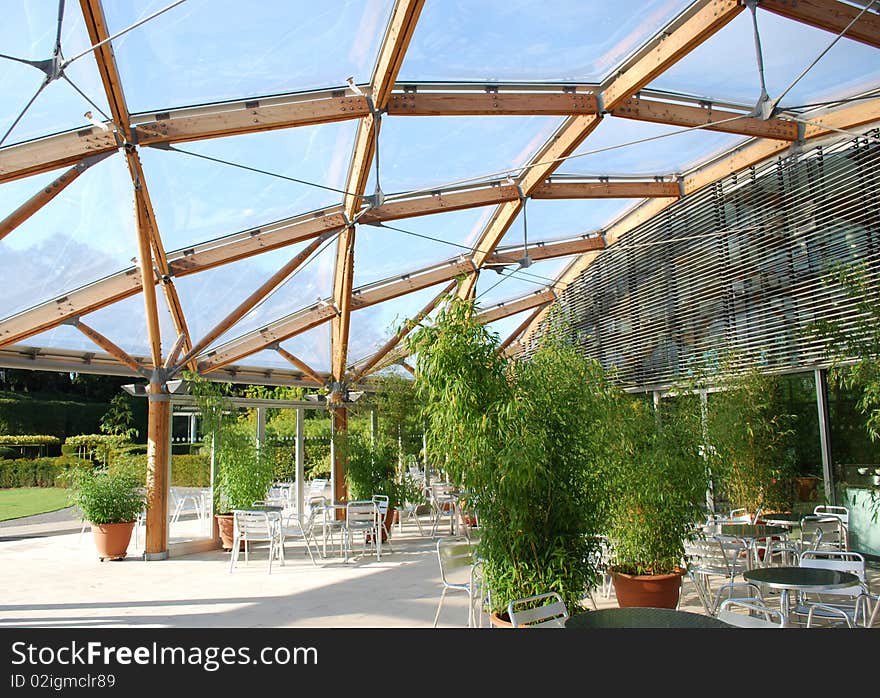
<point x="639" y="617"/>
<point x="750" y="534"/>
<point x="788" y="520"/>
<point x="787" y="579"/>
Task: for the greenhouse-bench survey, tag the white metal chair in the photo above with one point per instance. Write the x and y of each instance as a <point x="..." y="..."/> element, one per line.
<point x="382" y="504"/>
<point x="459" y="571"/>
<point x="362" y="517"/>
<point x="713" y="557"/>
<point x="185" y="503"/>
<point x="838" y="512"/>
<point x="443" y="503"/>
<point x="407" y="511"/>
<point x="324" y="517"/>
<point x="256" y="527"/>
<point x="539" y="611"/>
<point x="757" y="614"/>
<point x="292" y="528"/>
<point x="844" y="604"/>
<point x="822" y="533"/>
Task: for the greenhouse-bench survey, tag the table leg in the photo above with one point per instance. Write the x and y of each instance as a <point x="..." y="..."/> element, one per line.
<point x="783" y="607"/>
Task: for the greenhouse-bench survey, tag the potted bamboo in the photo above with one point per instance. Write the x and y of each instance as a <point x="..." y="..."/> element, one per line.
<point x="657" y="480"/>
<point x="370" y="469"/>
<point x="515" y="436"/>
<point x="111" y="502"/>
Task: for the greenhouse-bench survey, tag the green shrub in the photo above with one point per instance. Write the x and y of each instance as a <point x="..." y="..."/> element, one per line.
<point x="105" y="497"/>
<point x="29" y="440"/>
<point x="38" y="472"/>
<point x="186" y="470"/>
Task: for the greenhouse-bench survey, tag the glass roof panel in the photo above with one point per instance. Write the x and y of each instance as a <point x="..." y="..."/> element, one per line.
<point x="28" y="32"/>
<point x="417" y="153"/>
<point x="209" y="296"/>
<point x="788" y="47"/>
<point x="522" y="40"/>
<point x="313" y="347"/>
<point x="564" y="218"/>
<point x="86" y="232"/>
<point x="619" y="147"/>
<point x="196" y="199"/>
<point x="212" y="50"/>
<point x="511" y="283"/>
<point x="399" y="247"/>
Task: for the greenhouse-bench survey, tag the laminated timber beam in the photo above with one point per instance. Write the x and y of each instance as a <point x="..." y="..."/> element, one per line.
<point x="96" y="24"/>
<point x="163" y="128"/>
<point x="402" y="24"/>
<point x="300" y="364"/>
<point x="604" y="190"/>
<point x="830" y="15"/>
<point x="513" y="336"/>
<point x="740" y="158"/>
<point x="307" y="318"/>
<point x="689" y="31"/>
<point x="113" y="349"/>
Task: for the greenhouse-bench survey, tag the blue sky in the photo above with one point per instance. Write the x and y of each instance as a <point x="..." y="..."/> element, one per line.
<point x="203" y="51"/>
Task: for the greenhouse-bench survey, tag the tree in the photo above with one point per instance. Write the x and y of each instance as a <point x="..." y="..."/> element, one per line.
<point x="118" y="420"/>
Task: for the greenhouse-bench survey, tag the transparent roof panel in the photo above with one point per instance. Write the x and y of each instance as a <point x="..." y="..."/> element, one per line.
<point x="209" y="296"/>
<point x="626" y="147"/>
<point x="403" y="246"/>
<point x="522" y="40"/>
<point x="564" y="218"/>
<point x="511" y="283"/>
<point x="212" y="50"/>
<point x="67" y="244"/>
<point x="28" y="33"/>
<point x="373" y="326"/>
<point x="312" y="347"/>
<point x="788" y="48"/>
<point x="417" y="153"/>
<point x="197" y="199"/>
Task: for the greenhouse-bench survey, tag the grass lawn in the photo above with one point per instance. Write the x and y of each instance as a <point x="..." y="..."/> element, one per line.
<point x="27" y="501"/>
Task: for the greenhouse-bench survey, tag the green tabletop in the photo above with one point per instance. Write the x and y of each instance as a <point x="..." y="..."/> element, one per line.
<point x="751" y="530"/>
<point x="801" y="578"/>
<point x="639" y="617"/>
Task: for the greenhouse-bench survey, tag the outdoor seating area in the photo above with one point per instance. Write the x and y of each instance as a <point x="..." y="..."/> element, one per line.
<point x="440" y="314"/>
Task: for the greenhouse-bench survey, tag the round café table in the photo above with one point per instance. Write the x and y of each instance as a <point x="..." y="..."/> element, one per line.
<point x="787" y="579"/>
<point x="786" y="520"/>
<point x="750" y="534"/>
<point x="642" y="617"/>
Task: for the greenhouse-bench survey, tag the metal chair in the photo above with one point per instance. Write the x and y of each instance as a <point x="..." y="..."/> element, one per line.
<point x="256" y="527"/>
<point x="838" y="604"/>
<point x="382" y="505"/>
<point x="758" y="615"/>
<point x="443" y="503"/>
<point x="838" y="512"/>
<point x="292" y="528"/>
<point x="822" y="533"/>
<point x="362" y="516"/>
<point x="459" y="571"/>
<point x="710" y="557"/>
<point x="539" y="611"/>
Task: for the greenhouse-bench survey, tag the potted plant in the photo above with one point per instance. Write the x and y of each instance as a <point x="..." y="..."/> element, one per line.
<point x="371" y="468"/>
<point x="657" y="479"/>
<point x="515" y="437"/>
<point x="242" y="471"/>
<point x="111" y="502"/>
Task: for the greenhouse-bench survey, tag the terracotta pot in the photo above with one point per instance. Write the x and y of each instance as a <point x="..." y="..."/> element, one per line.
<point x="112" y="540"/>
<point x="648" y="590"/>
<point x="498" y="621"/>
<point x="226" y="526"/>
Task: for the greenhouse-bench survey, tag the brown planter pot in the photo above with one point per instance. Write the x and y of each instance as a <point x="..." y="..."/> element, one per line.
<point x="112" y="540"/>
<point x="226" y="526"/>
<point x="647" y="590"/>
<point x="497" y="621"/>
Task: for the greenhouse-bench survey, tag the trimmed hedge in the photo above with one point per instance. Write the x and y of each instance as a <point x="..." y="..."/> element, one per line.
<point x="29" y="440"/>
<point x="38" y="472"/>
<point x="186" y="470"/>
<point x="56" y="417"/>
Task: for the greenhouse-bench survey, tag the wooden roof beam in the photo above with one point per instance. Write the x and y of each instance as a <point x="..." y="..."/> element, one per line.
<point x="404" y="16"/>
<point x="830" y="15"/>
<point x="496" y="103"/>
<point x="604" y="190"/>
<point x="114" y="350"/>
<point x="307" y="370"/>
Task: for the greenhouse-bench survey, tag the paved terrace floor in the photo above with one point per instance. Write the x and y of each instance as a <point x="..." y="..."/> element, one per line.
<point x="51" y="577"/>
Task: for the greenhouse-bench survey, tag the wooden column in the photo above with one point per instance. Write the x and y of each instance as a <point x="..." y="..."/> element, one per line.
<point x="339" y="425"/>
<point x="158" y="471"/>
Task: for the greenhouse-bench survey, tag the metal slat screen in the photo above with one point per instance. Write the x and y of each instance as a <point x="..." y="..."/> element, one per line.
<point x="738" y="268"/>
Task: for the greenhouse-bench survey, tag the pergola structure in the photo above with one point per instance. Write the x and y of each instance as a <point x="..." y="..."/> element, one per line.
<point x="765" y="129"/>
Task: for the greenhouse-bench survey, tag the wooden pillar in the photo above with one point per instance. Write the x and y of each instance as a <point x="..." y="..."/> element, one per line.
<point x="339" y="420"/>
<point x="158" y="471"/>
